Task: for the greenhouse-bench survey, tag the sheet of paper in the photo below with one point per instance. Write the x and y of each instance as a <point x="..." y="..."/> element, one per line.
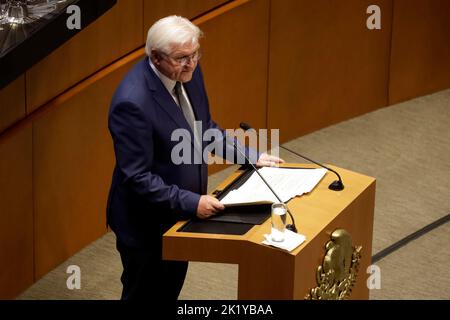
<point x="287" y="183"/>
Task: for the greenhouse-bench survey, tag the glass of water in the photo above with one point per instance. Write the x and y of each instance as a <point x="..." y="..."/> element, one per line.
<point x="278" y="218"/>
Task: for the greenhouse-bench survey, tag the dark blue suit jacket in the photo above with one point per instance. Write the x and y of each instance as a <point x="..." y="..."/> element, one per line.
<point x="149" y="193"/>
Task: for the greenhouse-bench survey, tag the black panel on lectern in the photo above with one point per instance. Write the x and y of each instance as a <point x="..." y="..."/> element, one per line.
<point x="217" y="227"/>
<point x="252" y="214"/>
<point x="235" y="220"/>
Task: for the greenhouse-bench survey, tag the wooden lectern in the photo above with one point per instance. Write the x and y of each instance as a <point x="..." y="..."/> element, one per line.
<point x="268" y="273"/>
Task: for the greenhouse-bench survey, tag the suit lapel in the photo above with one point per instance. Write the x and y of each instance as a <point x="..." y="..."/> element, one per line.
<point x="193" y="93"/>
<point x="195" y="96"/>
<point x="164" y="99"/>
<point x="166" y="102"/>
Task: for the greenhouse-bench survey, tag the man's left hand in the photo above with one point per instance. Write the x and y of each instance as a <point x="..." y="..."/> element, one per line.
<point x="267" y="160"/>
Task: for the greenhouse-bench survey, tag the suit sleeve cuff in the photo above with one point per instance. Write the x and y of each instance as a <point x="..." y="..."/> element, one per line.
<point x="189" y="204"/>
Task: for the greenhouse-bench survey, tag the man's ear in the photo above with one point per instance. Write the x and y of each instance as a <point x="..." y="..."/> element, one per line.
<point x="155" y="57"/>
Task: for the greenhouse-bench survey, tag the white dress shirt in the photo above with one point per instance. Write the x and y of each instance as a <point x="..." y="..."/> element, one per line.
<point x="169" y="84"/>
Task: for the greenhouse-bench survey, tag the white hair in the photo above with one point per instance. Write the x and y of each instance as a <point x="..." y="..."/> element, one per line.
<point x="171" y="30"/>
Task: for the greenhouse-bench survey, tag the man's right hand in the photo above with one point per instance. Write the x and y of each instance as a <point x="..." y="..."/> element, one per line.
<point x="208" y="206"/>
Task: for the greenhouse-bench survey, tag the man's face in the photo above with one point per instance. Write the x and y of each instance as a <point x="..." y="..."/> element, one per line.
<point x="179" y="63"/>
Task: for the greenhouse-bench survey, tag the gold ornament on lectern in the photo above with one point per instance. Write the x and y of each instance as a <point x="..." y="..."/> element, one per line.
<point x="337" y="274"/>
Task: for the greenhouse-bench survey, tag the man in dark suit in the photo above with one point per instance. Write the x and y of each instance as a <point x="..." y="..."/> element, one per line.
<point x="150" y="189"/>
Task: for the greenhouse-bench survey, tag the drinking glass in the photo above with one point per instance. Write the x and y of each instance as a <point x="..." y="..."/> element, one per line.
<point x="278" y="218"/>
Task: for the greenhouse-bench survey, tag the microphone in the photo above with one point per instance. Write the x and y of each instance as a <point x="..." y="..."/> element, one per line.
<point x="336" y="185"/>
<point x="290" y="227"/>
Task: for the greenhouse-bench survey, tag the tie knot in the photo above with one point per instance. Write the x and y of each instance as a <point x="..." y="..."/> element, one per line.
<point x="177" y="87"/>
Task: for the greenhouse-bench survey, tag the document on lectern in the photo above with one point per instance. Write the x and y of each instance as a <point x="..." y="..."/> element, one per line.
<point x="286" y="182"/>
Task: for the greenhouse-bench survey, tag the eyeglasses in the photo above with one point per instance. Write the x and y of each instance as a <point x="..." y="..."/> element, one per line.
<point x="182" y="61"/>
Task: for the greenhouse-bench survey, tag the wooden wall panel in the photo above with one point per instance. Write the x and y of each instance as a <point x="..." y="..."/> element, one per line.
<point x="16" y="214"/>
<point x="73" y="163"/>
<point x="12" y="103"/>
<point x="420" y="58"/>
<point x="234" y="62"/>
<point x="114" y="34"/>
<point x="325" y="65"/>
<point x="157" y="9"/>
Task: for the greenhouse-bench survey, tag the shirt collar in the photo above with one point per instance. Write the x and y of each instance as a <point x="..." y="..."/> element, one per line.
<point x="167" y="82"/>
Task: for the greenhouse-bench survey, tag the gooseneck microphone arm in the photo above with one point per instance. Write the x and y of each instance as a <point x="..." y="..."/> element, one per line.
<point x="290" y="227"/>
<point x="337" y="185"/>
